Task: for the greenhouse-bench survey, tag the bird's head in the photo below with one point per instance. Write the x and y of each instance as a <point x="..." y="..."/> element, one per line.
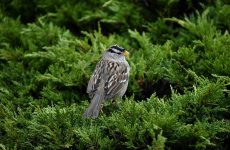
<point x="118" y="50"/>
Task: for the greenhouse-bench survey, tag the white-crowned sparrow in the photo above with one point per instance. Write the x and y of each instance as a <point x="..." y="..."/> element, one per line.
<point x="109" y="80"/>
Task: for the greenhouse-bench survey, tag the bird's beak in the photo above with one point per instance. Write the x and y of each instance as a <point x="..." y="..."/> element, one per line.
<point x="126" y="53"/>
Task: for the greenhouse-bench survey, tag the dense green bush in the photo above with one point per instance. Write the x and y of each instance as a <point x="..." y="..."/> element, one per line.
<point x="178" y="93"/>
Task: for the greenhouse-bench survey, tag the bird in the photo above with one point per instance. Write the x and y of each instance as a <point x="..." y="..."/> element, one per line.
<point x="109" y="80"/>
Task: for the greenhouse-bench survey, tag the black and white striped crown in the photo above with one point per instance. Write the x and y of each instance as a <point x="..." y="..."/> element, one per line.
<point x="116" y="49"/>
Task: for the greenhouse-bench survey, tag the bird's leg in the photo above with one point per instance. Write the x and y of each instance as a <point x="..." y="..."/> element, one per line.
<point x="101" y="108"/>
<point x="114" y="102"/>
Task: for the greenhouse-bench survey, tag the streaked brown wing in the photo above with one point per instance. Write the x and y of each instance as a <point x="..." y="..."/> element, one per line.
<point x="118" y="75"/>
<point x="95" y="79"/>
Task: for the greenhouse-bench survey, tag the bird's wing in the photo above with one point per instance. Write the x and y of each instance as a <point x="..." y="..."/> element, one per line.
<point x="95" y="78"/>
<point x="117" y="78"/>
<point x="114" y="75"/>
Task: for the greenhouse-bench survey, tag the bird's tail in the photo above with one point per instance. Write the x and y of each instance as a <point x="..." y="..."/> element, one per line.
<point x="95" y="106"/>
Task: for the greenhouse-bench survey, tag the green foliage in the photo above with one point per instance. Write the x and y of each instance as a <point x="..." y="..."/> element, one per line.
<point x="178" y="94"/>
